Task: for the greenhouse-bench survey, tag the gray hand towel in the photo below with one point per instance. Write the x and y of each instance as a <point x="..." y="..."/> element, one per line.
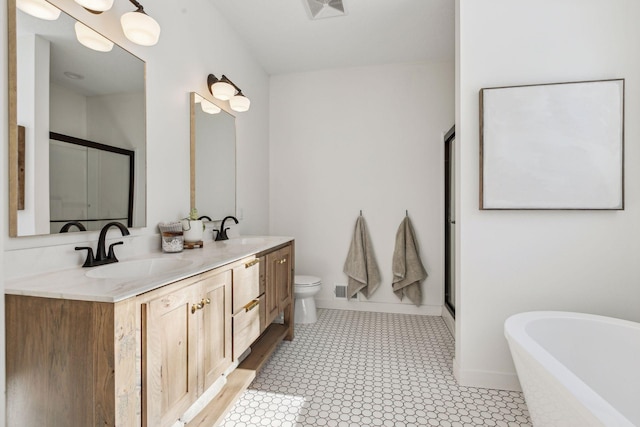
<point x="408" y="270"/>
<point x="360" y="265"/>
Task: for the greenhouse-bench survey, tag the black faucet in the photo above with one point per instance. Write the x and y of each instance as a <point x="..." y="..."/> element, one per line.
<point x="65" y="228"/>
<point x="102" y="257"/>
<point x="205" y="217"/>
<point x="222" y="234"/>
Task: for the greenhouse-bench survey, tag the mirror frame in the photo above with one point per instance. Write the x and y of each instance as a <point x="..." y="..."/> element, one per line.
<point x="13" y="119"/>
<point x="192" y="142"/>
<point x="13" y="167"/>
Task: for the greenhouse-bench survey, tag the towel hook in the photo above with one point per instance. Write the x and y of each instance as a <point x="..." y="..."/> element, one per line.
<point x="360" y="212"/>
<point x="406" y="212"/>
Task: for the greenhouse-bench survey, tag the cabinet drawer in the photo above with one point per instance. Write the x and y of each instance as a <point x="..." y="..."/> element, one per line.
<point x="246" y="327"/>
<point x="246" y="283"/>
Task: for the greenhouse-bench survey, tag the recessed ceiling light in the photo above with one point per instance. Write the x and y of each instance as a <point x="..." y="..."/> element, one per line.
<point x="73" y="76"/>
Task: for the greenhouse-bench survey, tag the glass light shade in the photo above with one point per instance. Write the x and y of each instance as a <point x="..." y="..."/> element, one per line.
<point x="39" y="8"/>
<point x="140" y="28"/>
<point x="240" y="103"/>
<point x="209" y="107"/>
<point x="96" y="5"/>
<point x="223" y="91"/>
<point x="89" y="38"/>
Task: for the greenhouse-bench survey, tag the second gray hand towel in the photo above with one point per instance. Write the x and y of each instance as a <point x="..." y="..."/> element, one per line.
<point x="408" y="270"/>
<point x="361" y="266"/>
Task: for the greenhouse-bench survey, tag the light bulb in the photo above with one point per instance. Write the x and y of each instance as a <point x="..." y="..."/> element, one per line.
<point x="223" y="90"/>
<point x="39" y="8"/>
<point x="240" y="103"/>
<point x="140" y="28"/>
<point x="91" y="39"/>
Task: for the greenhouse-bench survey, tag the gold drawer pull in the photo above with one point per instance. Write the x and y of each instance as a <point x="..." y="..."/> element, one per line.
<point x="251" y="263"/>
<point x="205" y="301"/>
<point x="253" y="304"/>
<point x="282" y="261"/>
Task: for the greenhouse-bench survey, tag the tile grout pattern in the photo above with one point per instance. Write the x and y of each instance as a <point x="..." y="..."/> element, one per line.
<point x="370" y="369"/>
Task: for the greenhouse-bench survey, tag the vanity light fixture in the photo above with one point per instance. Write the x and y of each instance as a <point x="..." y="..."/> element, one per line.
<point x="39" y="8"/>
<point x="96" y="6"/>
<point x="91" y="39"/>
<point x="225" y="90"/>
<point x="139" y="27"/>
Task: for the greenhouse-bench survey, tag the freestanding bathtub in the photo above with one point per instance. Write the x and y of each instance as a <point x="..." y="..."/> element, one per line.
<point x="577" y="369"/>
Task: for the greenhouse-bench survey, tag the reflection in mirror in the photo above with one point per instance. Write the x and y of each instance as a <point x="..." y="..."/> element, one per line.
<point x="213" y="159"/>
<point x="66" y="88"/>
<point x="90" y="184"/>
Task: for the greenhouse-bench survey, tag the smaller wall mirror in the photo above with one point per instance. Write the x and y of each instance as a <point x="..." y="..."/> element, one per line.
<point x="213" y="159"/>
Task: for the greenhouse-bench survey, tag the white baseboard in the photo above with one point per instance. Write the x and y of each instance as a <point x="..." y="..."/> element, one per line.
<point x="380" y="307"/>
<point x="486" y="379"/>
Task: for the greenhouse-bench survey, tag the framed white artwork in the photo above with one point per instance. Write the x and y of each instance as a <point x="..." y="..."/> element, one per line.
<point x="552" y="146"/>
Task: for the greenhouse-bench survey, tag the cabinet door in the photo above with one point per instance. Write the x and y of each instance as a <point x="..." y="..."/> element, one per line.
<point x="283" y="277"/>
<point x="169" y="334"/>
<point x="271" y="289"/>
<point x="216" y="326"/>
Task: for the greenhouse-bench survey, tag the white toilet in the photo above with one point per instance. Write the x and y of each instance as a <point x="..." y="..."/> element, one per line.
<point x="304" y="288"/>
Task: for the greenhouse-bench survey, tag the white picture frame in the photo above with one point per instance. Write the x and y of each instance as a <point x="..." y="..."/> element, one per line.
<point x="553" y="146"/>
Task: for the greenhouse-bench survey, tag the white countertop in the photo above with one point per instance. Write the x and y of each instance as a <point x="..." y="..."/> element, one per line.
<point x="74" y="284"/>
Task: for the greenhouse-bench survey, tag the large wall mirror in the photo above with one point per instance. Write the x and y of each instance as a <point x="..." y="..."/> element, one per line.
<point x="92" y="98"/>
<point x="213" y="159"/>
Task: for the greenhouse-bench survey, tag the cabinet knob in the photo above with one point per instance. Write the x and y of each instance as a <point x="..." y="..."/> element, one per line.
<point x="282" y="261"/>
<point x="198" y="306"/>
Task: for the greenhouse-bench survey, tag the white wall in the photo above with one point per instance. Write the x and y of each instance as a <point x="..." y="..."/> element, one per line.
<point x="366" y="138"/>
<point x="67" y="112"/>
<point x="32" y="63"/>
<point x="194" y="42"/>
<point x="514" y="261"/>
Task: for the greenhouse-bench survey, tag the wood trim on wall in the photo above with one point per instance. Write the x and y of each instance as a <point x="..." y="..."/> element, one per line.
<point x="21" y="142"/>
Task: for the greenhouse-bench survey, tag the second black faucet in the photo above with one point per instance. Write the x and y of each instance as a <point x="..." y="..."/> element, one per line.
<point x="222" y="233"/>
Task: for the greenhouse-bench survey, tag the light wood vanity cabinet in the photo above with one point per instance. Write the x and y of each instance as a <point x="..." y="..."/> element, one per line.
<point x="216" y="338"/>
<point x="186" y="337"/>
<point x="280" y="277"/>
<point x="169" y="355"/>
<point x="145" y="360"/>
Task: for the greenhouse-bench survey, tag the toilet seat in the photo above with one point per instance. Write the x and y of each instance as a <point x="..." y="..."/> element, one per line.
<point x="306" y="281"/>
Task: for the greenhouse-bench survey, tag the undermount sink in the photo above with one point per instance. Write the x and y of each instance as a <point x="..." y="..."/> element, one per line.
<point x="137" y="268"/>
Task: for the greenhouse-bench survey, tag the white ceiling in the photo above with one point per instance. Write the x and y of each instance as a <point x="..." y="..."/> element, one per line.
<point x="284" y="39"/>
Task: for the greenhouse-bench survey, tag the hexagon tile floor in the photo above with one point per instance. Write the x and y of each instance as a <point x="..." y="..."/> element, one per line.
<point x="370" y="369"/>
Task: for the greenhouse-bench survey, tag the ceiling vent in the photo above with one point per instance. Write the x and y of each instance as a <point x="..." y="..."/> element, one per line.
<point x="318" y="9"/>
